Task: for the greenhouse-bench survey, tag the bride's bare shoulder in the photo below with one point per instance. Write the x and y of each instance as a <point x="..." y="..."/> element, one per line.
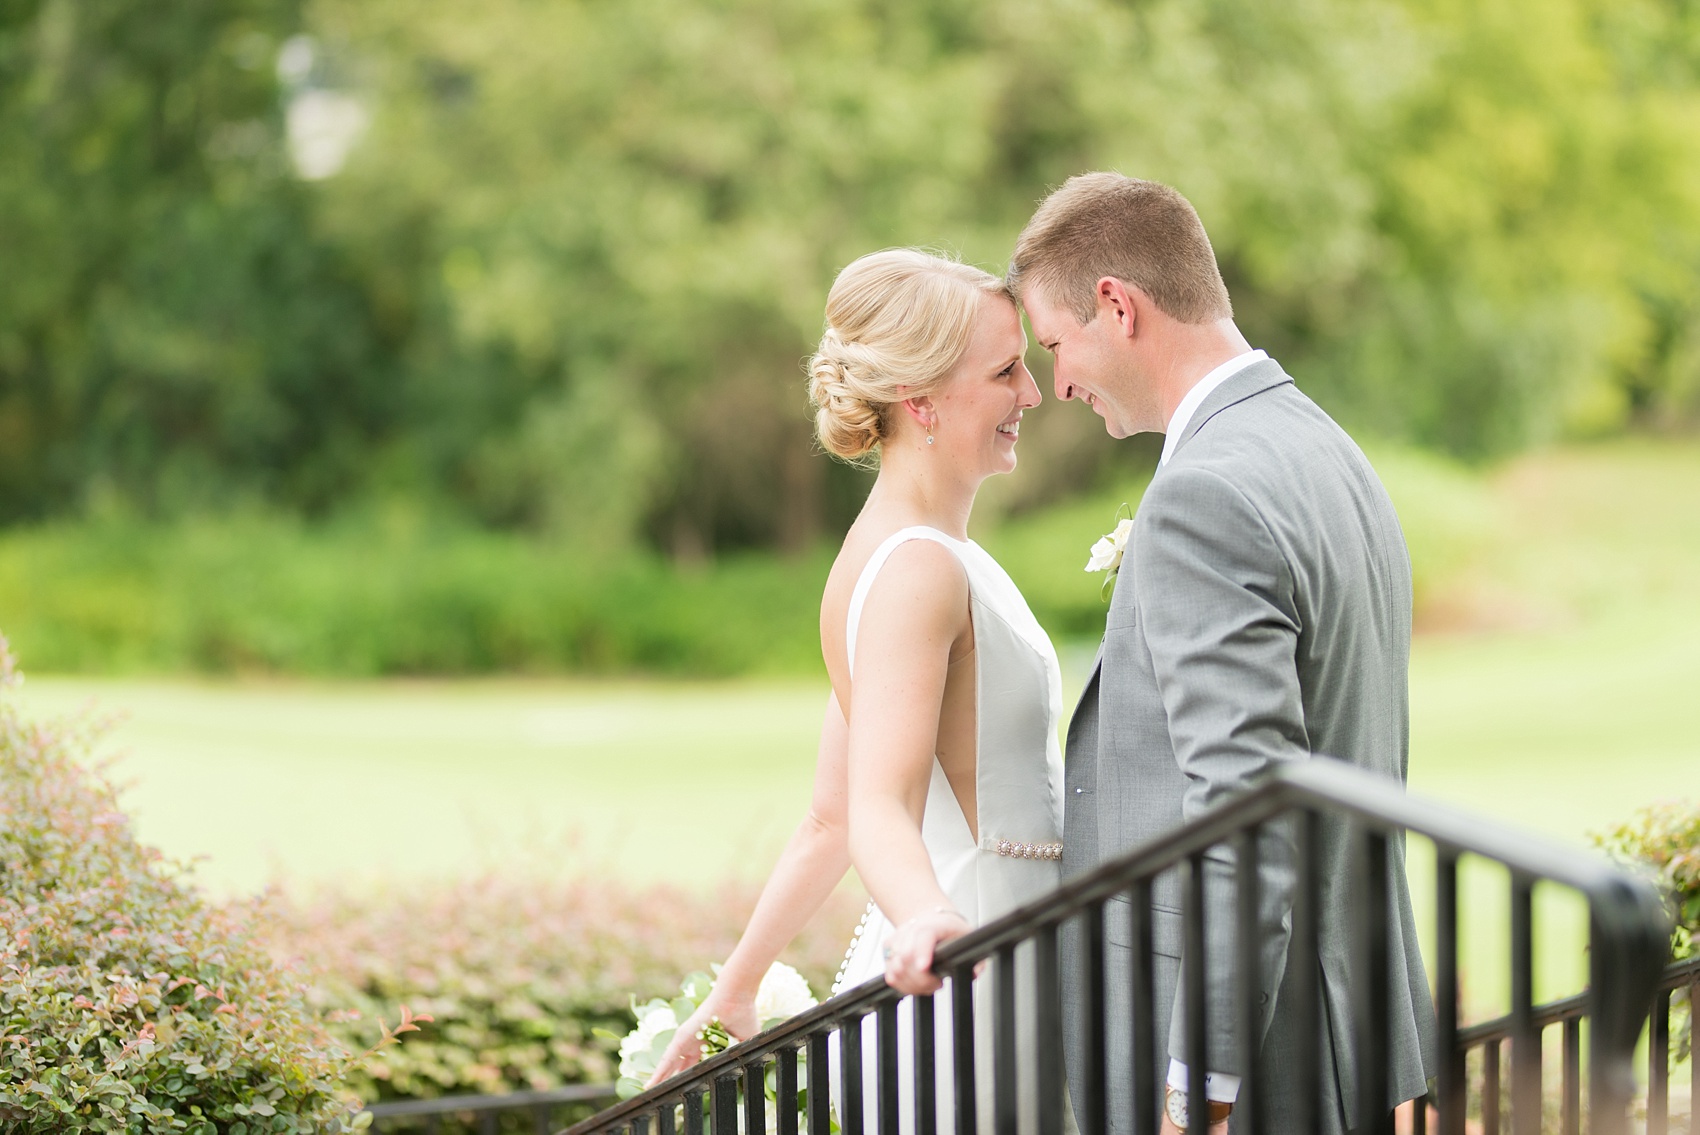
<point x="918" y="568"/>
<point x="859" y="546"/>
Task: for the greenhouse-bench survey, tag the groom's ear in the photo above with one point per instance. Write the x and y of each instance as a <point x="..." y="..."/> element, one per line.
<point x="1116" y="304"/>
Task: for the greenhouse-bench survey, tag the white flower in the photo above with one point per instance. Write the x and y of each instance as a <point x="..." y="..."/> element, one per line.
<point x="783" y="994"/>
<point x="653" y="1019"/>
<point x="1107" y="552"/>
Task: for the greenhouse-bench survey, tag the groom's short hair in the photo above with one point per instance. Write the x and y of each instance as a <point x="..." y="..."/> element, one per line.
<point x="1140" y="232"/>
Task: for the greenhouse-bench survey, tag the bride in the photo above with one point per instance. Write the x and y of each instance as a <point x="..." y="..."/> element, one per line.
<point x="939" y="774"/>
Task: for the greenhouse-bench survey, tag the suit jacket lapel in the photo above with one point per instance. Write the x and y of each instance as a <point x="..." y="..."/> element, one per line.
<point x="1265" y="374"/>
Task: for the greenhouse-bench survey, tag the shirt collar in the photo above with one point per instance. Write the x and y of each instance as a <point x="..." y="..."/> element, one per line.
<point x="1196" y="396"/>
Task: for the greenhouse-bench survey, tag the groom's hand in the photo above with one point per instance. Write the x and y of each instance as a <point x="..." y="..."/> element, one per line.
<point x="909" y="953"/>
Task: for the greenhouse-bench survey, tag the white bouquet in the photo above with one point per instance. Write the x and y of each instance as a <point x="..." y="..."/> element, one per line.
<point x="783" y="994"/>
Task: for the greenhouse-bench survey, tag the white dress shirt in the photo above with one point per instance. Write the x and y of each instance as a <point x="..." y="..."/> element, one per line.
<point x="1222" y="1087"/>
<point x="1196" y="396"/>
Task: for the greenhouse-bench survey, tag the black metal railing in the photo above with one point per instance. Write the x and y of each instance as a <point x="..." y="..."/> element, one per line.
<point x="1568" y="1016"/>
<point x="1486" y="1039"/>
<point x="544" y="1108"/>
<point x="1628" y="946"/>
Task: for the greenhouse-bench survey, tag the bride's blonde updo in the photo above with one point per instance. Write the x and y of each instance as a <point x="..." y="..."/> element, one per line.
<point x="896" y="323"/>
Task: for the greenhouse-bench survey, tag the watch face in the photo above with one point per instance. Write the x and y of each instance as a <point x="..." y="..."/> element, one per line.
<point x="1175" y="1103"/>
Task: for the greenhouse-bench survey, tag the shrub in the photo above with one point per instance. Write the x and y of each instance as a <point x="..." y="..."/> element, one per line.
<point x="1665" y="840"/>
<point x="365" y="597"/>
<point x="517" y="974"/>
<point x="127" y="1001"/>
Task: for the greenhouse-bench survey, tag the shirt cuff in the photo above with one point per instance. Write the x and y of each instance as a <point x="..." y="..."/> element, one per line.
<point x="1219" y="1087"/>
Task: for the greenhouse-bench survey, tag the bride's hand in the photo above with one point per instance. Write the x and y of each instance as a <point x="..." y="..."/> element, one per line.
<point x="909" y="953"/>
<point x="737" y="1017"/>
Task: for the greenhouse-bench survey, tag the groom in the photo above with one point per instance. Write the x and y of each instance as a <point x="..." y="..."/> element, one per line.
<point x="1262" y="614"/>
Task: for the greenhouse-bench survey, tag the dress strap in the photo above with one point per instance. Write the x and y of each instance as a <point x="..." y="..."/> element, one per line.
<point x="865" y="583"/>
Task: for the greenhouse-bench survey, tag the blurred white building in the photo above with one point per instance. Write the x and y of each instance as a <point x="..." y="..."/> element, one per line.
<point x="324" y="124"/>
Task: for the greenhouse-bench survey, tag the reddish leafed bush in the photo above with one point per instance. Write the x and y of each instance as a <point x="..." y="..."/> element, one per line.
<point x="1664" y="841"/>
<point x="516" y="973"/>
<point x="127" y="1001"/>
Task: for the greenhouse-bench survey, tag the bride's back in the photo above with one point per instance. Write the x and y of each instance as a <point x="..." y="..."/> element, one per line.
<point x="903" y="571"/>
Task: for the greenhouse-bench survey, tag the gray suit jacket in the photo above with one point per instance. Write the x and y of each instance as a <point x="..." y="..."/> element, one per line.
<point x="1262" y="614"/>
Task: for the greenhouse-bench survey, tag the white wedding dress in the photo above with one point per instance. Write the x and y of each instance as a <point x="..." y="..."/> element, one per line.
<point x="1019" y="792"/>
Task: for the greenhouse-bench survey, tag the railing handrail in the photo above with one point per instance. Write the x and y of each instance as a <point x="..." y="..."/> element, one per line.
<point x="1675" y="976"/>
<point x="1621" y="904"/>
<point x="537" y="1097"/>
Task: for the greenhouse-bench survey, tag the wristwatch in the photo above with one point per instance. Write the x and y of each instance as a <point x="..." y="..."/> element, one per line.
<point x="1174" y="1102"/>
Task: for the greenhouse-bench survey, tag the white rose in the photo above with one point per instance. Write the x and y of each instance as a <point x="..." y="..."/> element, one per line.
<point x="1107" y="552"/>
<point x="783" y="994"/>
<point x="653" y="1019"/>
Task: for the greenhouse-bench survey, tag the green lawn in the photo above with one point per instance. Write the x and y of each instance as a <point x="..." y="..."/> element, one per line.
<point x="309" y="782"/>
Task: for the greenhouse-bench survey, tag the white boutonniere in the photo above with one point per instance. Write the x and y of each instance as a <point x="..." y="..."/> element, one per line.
<point x="1108" y="551"/>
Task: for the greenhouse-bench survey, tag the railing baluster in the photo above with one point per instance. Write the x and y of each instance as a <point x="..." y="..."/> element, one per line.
<point x="962" y="1049"/>
<point x="1694" y="1056"/>
<point x="820" y="1083"/>
<point x="693" y="1111"/>
<point x="926" y="1064"/>
<point x="541" y="1126"/>
<point x="1490" y="1088"/>
<point x="1658" y="1065"/>
<point x="1005" y="1120"/>
<point x="1450" y="1087"/>
<point x="1571" y="1115"/>
<point x="725" y="1104"/>
<point x="1047" y="1017"/>
<point x="1307" y="976"/>
<point x="1371" y="991"/>
<point x="1194" y="975"/>
<point x="1248" y="983"/>
<point x="1092" y="1109"/>
<point x="850" y="1120"/>
<point x="885" y="1087"/>
<point x="1525" y="1038"/>
<point x="785" y="1090"/>
<point x="1143" y="1006"/>
<point x="1619" y="931"/>
<point x="664" y="1124"/>
<point x="755" y="1097"/>
<point x="640" y="1125"/>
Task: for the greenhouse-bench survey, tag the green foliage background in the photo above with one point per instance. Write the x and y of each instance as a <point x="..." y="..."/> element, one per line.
<point x="564" y="282"/>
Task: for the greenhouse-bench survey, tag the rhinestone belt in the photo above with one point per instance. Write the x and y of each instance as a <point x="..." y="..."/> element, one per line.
<point x="1016" y="850"/>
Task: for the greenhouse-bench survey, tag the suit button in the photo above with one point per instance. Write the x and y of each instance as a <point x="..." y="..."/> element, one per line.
<point x="1079" y="791"/>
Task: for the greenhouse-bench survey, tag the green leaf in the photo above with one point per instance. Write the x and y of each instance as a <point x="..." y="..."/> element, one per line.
<point x="659" y="1045"/>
